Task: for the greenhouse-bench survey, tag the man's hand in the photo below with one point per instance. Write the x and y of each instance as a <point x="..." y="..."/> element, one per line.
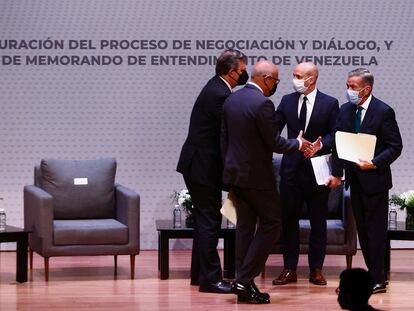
<point x="333" y="182"/>
<point x="317" y="145"/>
<point x="366" y="165"/>
<point x="307" y="146"/>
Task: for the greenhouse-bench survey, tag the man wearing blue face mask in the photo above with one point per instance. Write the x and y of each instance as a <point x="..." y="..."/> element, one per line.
<point x="369" y="179"/>
<point x="313" y="112"/>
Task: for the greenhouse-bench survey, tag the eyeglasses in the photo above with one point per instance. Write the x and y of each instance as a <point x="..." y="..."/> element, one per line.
<point x="276" y="80"/>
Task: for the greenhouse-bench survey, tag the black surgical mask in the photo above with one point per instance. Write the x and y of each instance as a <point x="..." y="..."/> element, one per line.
<point x="243" y="78"/>
<point x="272" y="90"/>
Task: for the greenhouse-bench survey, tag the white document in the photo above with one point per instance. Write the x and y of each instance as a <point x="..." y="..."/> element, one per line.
<point x="353" y="147"/>
<point x="321" y="168"/>
<point x="228" y="210"/>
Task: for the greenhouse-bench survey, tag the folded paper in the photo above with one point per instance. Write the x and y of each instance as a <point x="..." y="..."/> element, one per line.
<point x="353" y="147"/>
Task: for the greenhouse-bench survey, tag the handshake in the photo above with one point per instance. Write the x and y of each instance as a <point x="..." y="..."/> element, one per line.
<point x="309" y="149"/>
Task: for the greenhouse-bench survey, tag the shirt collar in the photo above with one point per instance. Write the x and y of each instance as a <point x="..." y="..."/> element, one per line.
<point x="311" y="96"/>
<point x="228" y="85"/>
<point x="257" y="86"/>
<point x="366" y="103"/>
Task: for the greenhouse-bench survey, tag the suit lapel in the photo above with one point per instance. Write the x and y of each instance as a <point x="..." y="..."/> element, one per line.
<point x="369" y="114"/>
<point x="293" y="111"/>
<point x="315" y="110"/>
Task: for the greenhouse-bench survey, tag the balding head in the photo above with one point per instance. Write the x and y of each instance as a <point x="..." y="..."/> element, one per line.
<point x="266" y="75"/>
<point x="264" y="67"/>
<point x="309" y="73"/>
<point x="308" y="69"/>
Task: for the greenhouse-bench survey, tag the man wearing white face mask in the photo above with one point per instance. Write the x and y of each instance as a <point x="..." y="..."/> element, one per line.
<point x="315" y="113"/>
<point x="369" y="179"/>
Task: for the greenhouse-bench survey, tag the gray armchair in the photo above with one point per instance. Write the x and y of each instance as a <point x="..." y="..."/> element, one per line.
<point x="75" y="209"/>
<point x="341" y="228"/>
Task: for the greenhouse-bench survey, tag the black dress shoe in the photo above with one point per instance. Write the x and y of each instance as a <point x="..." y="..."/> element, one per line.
<point x="379" y="288"/>
<point x="221" y="287"/>
<point x="247" y="294"/>
<point x="254" y="287"/>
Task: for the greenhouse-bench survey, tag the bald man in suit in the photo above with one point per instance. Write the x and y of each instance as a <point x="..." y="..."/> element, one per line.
<point x="249" y="137"/>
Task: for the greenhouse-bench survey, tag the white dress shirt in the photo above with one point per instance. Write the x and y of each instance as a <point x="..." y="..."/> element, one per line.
<point x="365" y="106"/>
<point x="309" y="106"/>
<point x="257" y="86"/>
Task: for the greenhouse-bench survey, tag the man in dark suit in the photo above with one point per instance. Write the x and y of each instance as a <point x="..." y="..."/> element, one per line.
<point x="369" y="179"/>
<point x="313" y="112"/>
<point x="201" y="165"/>
<point x="250" y="135"/>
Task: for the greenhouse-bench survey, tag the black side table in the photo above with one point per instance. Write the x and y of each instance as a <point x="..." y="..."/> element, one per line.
<point x="396" y="234"/>
<point x="19" y="235"/>
<point x="166" y="232"/>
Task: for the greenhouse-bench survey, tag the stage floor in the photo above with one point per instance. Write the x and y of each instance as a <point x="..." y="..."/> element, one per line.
<point x="80" y="283"/>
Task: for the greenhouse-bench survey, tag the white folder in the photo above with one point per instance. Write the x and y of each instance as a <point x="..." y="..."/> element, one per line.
<point x="228" y="210"/>
<point x="322" y="168"/>
<point x="353" y="147"/>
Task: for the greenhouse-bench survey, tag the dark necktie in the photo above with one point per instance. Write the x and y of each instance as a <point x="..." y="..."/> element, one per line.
<point x="358" y="119"/>
<point x="302" y="114"/>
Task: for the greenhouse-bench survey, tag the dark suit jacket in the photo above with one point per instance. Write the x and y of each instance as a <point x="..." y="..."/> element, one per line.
<point x="200" y="159"/>
<point x="249" y="137"/>
<point x="380" y="121"/>
<point x="321" y="123"/>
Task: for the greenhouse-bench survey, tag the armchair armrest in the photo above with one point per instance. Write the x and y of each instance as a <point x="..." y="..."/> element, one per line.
<point x="38" y="213"/>
<point x="349" y="220"/>
<point x="128" y="212"/>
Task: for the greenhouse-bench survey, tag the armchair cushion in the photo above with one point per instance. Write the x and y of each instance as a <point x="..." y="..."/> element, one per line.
<point x="89" y="232"/>
<point x="94" y="199"/>
<point x="335" y="228"/>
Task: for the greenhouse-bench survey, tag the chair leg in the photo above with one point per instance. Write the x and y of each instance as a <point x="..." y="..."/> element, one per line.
<point x="132" y="261"/>
<point x="348" y="261"/>
<point x="46" y="259"/>
<point x="30" y="258"/>
<point x="115" y="264"/>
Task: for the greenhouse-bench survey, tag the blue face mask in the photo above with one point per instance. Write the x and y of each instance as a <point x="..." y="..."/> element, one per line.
<point x="353" y="96"/>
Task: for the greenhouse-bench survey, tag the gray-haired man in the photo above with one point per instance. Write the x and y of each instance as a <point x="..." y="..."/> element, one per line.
<point x="369" y="179"/>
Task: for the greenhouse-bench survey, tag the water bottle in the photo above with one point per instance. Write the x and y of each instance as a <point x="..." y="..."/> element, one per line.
<point x="2" y="219"/>
<point x="177" y="217"/>
<point x="392" y="218"/>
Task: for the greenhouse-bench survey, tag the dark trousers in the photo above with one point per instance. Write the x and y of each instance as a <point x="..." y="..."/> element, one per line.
<point x="371" y="216"/>
<point x="294" y="193"/>
<point x="254" y="243"/>
<point x="205" y="261"/>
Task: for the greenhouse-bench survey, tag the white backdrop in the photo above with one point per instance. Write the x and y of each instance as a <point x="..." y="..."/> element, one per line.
<point x="139" y="113"/>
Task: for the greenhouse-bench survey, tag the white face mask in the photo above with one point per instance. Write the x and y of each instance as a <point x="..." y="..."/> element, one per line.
<point x="299" y="85"/>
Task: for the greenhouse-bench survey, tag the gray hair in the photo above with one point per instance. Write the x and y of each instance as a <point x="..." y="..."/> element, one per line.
<point x="365" y="74"/>
<point x="229" y="59"/>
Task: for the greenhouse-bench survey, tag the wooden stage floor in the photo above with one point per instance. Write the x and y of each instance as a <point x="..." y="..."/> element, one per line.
<point x="88" y="283"/>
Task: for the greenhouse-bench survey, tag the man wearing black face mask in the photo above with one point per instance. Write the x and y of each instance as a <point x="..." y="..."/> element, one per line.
<point x="201" y="166"/>
<point x="249" y="137"/>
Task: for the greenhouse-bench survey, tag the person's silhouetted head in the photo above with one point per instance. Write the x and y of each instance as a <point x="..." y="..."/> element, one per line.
<point x="355" y="288"/>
